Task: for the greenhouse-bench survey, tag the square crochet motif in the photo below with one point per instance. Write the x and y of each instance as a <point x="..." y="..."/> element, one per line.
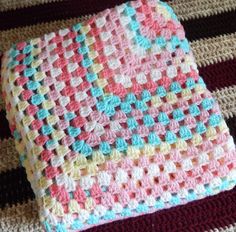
<point x="112" y="120"/>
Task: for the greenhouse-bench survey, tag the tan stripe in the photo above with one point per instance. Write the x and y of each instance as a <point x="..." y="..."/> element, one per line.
<point x="8" y="155"/>
<point x="227" y="100"/>
<point x="1" y="104"/>
<point x="201" y="8"/>
<point x="9" y="37"/>
<point x="16" y="4"/>
<point x="225" y="97"/>
<point x="21" y="217"/>
<point x="215" y="49"/>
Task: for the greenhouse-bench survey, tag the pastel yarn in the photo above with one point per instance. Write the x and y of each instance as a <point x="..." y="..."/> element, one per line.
<point x="112" y="120"/>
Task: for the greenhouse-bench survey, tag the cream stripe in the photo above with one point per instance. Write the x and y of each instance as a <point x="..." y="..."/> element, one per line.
<point x="201" y="8"/>
<point x="16" y="4"/>
<point x="226" y="98"/>
<point x="1" y="102"/>
<point x="8" y="155"/>
<point x="9" y="37"/>
<point x="215" y="49"/>
<point x="20" y="217"/>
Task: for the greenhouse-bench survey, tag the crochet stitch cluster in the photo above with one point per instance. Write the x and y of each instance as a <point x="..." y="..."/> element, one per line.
<point x="112" y="120"/>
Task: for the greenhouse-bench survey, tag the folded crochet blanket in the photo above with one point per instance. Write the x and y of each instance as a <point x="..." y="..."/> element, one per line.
<point x="112" y="120"/>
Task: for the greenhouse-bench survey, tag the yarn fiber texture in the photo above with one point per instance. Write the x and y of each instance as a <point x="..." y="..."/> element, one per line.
<point x="112" y="120"/>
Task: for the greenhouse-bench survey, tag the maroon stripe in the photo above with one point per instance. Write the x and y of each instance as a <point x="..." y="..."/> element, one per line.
<point x="231" y="122"/>
<point x="201" y="215"/>
<point x="210" y="26"/>
<point x="219" y="75"/>
<point x="4" y="126"/>
<point x="53" y="11"/>
<point x="14" y="187"/>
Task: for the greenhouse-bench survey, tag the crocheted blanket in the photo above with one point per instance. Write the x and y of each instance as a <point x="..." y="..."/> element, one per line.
<point x="218" y="69"/>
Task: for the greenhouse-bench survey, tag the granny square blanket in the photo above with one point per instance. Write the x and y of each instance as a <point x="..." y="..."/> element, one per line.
<point x="112" y="120"/>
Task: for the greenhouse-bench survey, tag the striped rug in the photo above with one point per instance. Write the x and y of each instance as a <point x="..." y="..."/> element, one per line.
<point x="210" y="26"/>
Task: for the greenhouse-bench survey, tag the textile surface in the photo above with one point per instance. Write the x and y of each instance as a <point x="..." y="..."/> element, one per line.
<point x="210" y="28"/>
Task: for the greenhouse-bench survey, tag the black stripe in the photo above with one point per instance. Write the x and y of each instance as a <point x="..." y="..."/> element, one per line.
<point x="231" y="122"/>
<point x="219" y="75"/>
<point x="53" y="11"/>
<point x="14" y="187"/>
<point x="5" y="132"/>
<point x="211" y="26"/>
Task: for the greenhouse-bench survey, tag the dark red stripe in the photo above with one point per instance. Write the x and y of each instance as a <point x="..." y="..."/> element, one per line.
<point x="231" y="123"/>
<point x="14" y="187"/>
<point x="4" y="126"/>
<point x="210" y="26"/>
<point x="53" y="11"/>
<point x="219" y="75"/>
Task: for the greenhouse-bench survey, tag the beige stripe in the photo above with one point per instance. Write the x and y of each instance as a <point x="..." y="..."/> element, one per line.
<point x="1" y="103"/>
<point x="8" y="155"/>
<point x="21" y="217"/>
<point x="15" y="4"/>
<point x="226" y="98"/>
<point x="201" y="8"/>
<point x="215" y="49"/>
<point x="9" y="37"/>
